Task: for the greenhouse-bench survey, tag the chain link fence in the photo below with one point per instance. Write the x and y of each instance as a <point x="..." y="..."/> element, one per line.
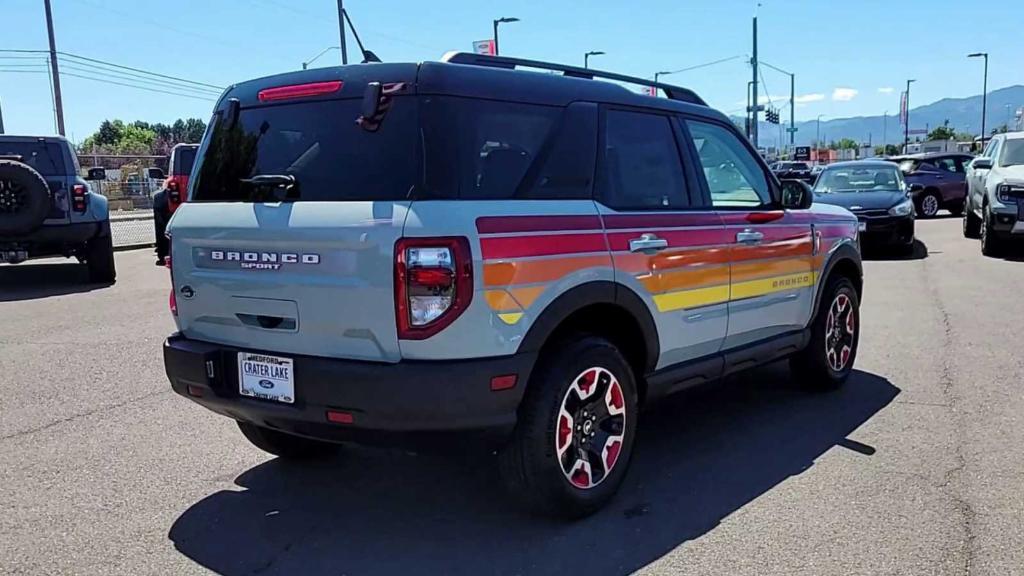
<point x="129" y="190"/>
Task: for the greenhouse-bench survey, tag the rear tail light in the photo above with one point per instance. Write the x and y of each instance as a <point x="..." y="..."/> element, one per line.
<point x="172" y="300"/>
<point x="79" y="198"/>
<point x="433" y="284"/>
<point x="173" y="191"/>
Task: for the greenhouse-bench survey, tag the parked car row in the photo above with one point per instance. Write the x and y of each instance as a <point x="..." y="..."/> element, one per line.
<point x="994" y="207"/>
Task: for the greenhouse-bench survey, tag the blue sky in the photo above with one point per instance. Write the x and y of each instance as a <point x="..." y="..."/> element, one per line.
<point x="851" y="57"/>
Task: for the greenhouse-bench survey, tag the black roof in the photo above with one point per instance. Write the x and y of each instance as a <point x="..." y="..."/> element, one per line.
<point x="494" y="78"/>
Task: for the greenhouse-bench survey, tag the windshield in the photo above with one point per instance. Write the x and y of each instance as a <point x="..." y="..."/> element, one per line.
<point x="45" y="157"/>
<point x="319" y="145"/>
<point x="1013" y="153"/>
<point x="859" y="179"/>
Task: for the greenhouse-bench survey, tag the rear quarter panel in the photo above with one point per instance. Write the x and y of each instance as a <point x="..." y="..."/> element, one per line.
<point x="525" y="254"/>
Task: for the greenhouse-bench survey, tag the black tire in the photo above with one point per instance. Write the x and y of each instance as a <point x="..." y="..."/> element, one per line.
<point x="99" y="257"/>
<point x="972" y="225"/>
<point x="956" y="208"/>
<point x="991" y="244"/>
<point x="160" y="218"/>
<point x="530" y="464"/>
<point x="928" y="204"/>
<point x="815" y="367"/>
<point x="24" y="198"/>
<point x="286" y="445"/>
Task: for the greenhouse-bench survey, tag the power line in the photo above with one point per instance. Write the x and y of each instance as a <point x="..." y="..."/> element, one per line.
<point x="706" y="64"/>
<point x="138" y="78"/>
<point x="139" y="87"/>
<point x="24" y="71"/>
<point x="165" y="76"/>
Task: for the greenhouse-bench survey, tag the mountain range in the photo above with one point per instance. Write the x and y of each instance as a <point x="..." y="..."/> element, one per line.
<point x="963" y="114"/>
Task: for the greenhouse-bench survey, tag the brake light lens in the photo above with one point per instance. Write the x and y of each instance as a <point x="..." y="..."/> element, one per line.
<point x="79" y="198"/>
<point x="299" y="91"/>
<point x="433" y="284"/>
<point x="173" y="190"/>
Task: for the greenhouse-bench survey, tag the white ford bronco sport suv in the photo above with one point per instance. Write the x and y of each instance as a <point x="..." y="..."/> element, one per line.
<point x="394" y="251"/>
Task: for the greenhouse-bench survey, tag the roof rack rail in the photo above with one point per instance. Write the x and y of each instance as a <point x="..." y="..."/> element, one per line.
<point x="469" y="58"/>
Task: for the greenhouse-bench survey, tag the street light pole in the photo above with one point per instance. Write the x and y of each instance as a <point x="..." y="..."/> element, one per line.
<point x="586" y="57"/>
<point x="885" y="128"/>
<point x="906" y="127"/>
<point x="56" y="72"/>
<point x="984" y="92"/>
<point x="500" y="21"/>
<point x="817" y="137"/>
<point x="753" y="90"/>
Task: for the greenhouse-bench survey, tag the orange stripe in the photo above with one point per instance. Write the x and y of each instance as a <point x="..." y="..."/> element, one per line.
<point x="513" y="300"/>
<point x="774" y="250"/>
<point x="684" y="279"/>
<point x="640" y="263"/>
<point x="744" y="271"/>
<point x="531" y="271"/>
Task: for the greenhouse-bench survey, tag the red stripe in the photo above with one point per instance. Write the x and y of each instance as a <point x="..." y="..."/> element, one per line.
<point x="780" y="233"/>
<point x="743" y="217"/>
<point x="619" y="221"/>
<point x="548" y="245"/>
<point x="837" y="230"/>
<point x="506" y="224"/>
<point x="619" y="241"/>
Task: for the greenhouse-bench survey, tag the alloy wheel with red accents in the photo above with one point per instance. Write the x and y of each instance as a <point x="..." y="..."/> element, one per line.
<point x="591" y="428"/>
<point x="840" y="332"/>
<point x="575" y="429"/>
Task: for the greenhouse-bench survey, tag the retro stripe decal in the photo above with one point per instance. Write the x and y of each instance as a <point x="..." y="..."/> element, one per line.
<point x="695" y="298"/>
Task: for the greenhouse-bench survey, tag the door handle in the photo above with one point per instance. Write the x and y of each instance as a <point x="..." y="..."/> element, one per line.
<point x="749" y="236"/>
<point x="647" y="243"/>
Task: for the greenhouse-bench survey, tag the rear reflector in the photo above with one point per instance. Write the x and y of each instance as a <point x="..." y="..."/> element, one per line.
<point x="340" y="417"/>
<point x="299" y="90"/>
<point x="195" y="391"/>
<point x="506" y="382"/>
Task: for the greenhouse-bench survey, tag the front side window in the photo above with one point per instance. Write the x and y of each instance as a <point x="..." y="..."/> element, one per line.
<point x="640" y="166"/>
<point x="946" y="164"/>
<point x="734" y="176"/>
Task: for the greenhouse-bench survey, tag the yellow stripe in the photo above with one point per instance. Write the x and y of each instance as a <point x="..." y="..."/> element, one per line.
<point x="510" y="318"/>
<point x="764" y="286"/>
<point x="691" y="298"/>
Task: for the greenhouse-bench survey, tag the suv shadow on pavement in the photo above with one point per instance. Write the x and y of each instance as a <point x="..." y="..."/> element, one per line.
<point x="35" y="281"/>
<point x="884" y="253"/>
<point x="703" y="455"/>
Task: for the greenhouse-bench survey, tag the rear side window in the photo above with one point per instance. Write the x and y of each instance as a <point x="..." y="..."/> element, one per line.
<point x="320" y="145"/>
<point x="46" y="158"/>
<point x="184" y="157"/>
<point x="491" y="150"/>
<point x="640" y="168"/>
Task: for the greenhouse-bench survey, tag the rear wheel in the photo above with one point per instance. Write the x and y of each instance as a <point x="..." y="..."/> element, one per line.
<point x="99" y="257"/>
<point x="928" y="204"/>
<point x="574" y="439"/>
<point x="972" y="225"/>
<point x="286" y="445"/>
<point x="835" y="333"/>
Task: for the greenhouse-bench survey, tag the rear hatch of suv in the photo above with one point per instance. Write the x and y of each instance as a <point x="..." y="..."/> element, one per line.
<point x="47" y="158"/>
<point x="287" y="241"/>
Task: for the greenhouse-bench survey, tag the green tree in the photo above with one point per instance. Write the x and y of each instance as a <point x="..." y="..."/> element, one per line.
<point x="1001" y="129"/>
<point x="892" y="150"/>
<point x="942" y="133"/>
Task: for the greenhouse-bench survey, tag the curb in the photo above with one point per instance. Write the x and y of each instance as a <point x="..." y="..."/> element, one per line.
<point x="138" y="246"/>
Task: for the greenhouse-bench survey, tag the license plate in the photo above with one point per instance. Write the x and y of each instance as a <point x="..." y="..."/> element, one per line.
<point x="13" y="256"/>
<point x="862" y="226"/>
<point x="266" y="377"/>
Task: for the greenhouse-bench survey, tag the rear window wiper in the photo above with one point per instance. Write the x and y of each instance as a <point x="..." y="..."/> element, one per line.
<point x="265" y="187"/>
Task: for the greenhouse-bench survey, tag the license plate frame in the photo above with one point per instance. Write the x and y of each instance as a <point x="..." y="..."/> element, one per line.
<point x="266" y="377"/>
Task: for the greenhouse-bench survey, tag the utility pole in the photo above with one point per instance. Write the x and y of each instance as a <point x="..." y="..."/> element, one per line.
<point x="984" y="93"/>
<point x="1" y="117"/>
<point x="341" y="29"/>
<point x="753" y="91"/>
<point x="885" y="128"/>
<point x="792" y="109"/>
<point x="906" y="127"/>
<point x="56" y="72"/>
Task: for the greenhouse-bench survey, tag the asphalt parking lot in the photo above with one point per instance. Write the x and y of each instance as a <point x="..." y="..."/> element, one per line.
<point x="915" y="467"/>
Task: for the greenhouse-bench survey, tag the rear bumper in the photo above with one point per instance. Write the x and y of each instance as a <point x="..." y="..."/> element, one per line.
<point x="403" y="403"/>
<point x="53" y="239"/>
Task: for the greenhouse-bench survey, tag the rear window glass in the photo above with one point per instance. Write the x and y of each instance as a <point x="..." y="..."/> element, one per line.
<point x="317" y="143"/>
<point x="485" y="150"/>
<point x="45" y="157"/>
<point x="183" y="159"/>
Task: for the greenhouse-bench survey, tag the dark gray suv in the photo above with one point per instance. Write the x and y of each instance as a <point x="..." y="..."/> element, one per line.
<point x="47" y="209"/>
<point x="941" y="180"/>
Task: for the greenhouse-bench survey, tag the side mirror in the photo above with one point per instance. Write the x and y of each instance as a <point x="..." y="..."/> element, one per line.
<point x="981" y="163"/>
<point x="155" y="174"/>
<point x="916" y="188"/>
<point x="96" y="174"/>
<point x="796" y="195"/>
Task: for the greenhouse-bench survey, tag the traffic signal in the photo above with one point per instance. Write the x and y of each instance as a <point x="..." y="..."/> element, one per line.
<point x="772" y="116"/>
